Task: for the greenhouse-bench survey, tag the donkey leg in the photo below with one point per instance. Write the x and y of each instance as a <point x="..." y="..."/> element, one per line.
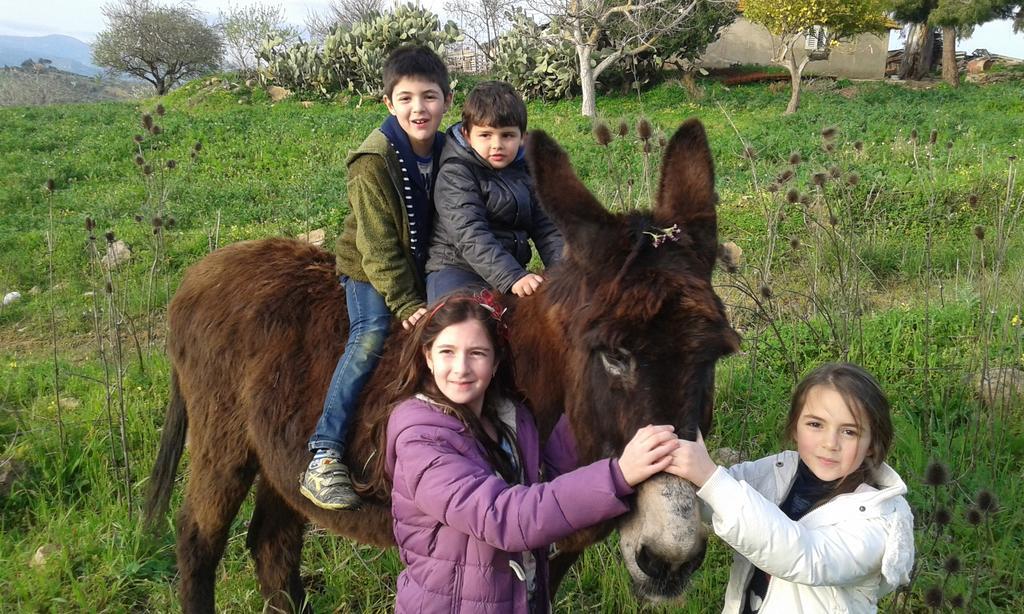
<point x="215" y="490"/>
<point x="558" y="566"/>
<point x="275" y="542"/>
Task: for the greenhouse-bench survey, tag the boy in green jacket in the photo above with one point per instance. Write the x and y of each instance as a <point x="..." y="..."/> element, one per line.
<point x="382" y="250"/>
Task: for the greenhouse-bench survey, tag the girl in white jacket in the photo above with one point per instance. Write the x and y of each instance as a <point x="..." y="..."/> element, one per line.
<point x="821" y="529"/>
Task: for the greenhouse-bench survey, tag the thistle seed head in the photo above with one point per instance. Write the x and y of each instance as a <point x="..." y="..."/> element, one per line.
<point x="986" y="501"/>
<point x="766" y="291"/>
<point x="956" y="602"/>
<point x="933" y="597"/>
<point x="147" y="170"/>
<point x="137" y="138"/>
<point x="832" y="219"/>
<point x="913" y="135"/>
<point x="139" y="160"/>
<point x="171" y="164"/>
<point x="623" y="128"/>
<point x="50" y="185"/>
<point x="602" y="134"/>
<point x="784" y="176"/>
<point x="858" y="145"/>
<point x="643" y="129"/>
<point x="819" y="179"/>
<point x="973" y="516"/>
<point x="942" y="517"/>
<point x="949" y="145"/>
<point x="198" y="146"/>
<point x="157" y="222"/>
<point x="979" y="232"/>
<point x="109" y="236"/>
<point x="792" y="196"/>
<point x="169" y="223"/>
<point x="147" y="121"/>
<point x="89" y="224"/>
<point x="794" y="242"/>
<point x="952" y="564"/>
<point x="853" y="179"/>
<point x="794" y="158"/>
<point x="933" y="136"/>
<point x="160" y="110"/>
<point x="936" y="474"/>
<point x="772" y="187"/>
<point x="108" y="288"/>
<point x="829" y="133"/>
<point x="156" y="130"/>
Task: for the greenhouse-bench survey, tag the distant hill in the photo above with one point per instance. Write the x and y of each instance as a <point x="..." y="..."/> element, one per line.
<point x="42" y="85"/>
<point x="67" y="53"/>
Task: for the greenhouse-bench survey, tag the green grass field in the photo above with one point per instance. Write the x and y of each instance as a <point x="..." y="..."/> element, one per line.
<point x="888" y="246"/>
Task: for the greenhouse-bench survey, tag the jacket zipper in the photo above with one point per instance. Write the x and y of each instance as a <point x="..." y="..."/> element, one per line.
<point x="457" y="590"/>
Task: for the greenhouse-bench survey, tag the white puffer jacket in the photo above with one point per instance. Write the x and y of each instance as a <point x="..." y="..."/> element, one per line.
<point x="841" y="557"/>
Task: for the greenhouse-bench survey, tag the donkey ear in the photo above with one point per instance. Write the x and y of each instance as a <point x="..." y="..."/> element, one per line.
<point x="687" y="195"/>
<point x="569" y="204"/>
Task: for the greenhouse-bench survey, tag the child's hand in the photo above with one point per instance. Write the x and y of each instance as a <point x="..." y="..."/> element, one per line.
<point x="649" y="452"/>
<point x="414" y="318"/>
<point x="527" y="284"/>
<point x="692" y="462"/>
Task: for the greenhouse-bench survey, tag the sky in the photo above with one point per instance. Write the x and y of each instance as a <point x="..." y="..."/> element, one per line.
<point x="82" y="19"/>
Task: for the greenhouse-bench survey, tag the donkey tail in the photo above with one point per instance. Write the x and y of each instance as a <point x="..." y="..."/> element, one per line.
<point x="172" y="443"/>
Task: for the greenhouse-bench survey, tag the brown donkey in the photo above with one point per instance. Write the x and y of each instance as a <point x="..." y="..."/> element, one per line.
<point x="625" y="332"/>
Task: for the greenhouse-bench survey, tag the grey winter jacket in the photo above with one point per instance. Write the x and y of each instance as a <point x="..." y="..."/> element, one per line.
<point x="486" y="217"/>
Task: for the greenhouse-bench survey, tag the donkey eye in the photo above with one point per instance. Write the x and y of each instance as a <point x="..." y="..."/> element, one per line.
<point x="618" y="363"/>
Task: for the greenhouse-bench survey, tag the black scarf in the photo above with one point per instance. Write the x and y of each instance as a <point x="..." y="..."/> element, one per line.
<point x="416" y="195"/>
<point x="806" y="492"/>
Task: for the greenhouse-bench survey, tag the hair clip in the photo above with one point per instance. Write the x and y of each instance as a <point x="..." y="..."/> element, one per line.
<point x="660" y="235"/>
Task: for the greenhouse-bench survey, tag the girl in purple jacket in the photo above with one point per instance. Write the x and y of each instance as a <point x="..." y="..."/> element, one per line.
<point x="463" y="463"/>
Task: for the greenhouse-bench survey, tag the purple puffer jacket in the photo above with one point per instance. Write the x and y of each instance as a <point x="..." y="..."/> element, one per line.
<point x="460" y="527"/>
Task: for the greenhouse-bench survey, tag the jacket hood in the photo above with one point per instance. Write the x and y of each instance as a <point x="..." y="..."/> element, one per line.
<point x="456" y="146"/>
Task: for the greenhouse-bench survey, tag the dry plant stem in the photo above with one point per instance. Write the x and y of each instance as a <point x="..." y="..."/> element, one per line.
<point x="216" y="232"/>
<point x="96" y="265"/>
<point x="743" y="286"/>
<point x="115" y="329"/>
<point x="53" y="327"/>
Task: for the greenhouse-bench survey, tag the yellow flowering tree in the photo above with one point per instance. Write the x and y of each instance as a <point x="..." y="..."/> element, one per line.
<point x="790" y="21"/>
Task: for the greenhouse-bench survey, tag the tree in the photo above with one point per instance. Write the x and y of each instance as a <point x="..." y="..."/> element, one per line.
<point x="604" y="32"/>
<point x="958" y="18"/>
<point x="918" y="51"/>
<point x="482" y="21"/>
<point x="955" y="18"/>
<point x="245" y="29"/>
<point x="790" y="21"/>
<point x="161" y="44"/>
<point x="342" y="13"/>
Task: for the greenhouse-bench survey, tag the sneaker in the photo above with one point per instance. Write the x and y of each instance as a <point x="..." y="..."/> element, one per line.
<point x="327" y="484"/>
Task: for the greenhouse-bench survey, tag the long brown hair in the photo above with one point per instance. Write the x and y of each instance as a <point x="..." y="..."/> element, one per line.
<point x="868" y="404"/>
<point x="414" y="377"/>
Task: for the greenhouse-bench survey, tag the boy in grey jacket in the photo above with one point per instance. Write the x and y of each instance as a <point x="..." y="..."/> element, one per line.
<point x="486" y="210"/>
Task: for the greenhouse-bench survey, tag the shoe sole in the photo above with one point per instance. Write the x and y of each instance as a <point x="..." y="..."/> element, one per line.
<point x="326" y="506"/>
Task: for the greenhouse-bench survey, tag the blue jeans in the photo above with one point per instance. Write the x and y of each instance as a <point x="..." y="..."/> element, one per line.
<point x="369" y="322"/>
<point x="451" y="279"/>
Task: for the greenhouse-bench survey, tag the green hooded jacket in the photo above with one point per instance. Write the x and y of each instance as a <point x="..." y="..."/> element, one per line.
<point x="374" y="244"/>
